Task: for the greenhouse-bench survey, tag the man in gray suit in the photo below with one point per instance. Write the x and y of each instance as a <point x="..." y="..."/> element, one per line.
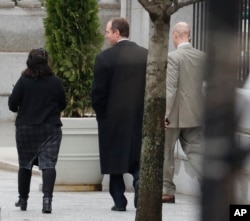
<point x="184" y="106"/>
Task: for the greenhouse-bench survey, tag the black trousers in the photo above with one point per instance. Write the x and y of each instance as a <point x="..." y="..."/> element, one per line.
<point x="24" y="178"/>
<point x="117" y="188"/>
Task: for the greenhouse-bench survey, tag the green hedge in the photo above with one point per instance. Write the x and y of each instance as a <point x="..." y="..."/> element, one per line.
<point x="73" y="39"/>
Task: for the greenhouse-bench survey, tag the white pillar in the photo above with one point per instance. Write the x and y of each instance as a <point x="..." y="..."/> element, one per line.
<point x="138" y="19"/>
<point x="124" y="8"/>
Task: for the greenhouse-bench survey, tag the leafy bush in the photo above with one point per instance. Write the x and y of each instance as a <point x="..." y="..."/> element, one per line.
<point x="73" y="39"/>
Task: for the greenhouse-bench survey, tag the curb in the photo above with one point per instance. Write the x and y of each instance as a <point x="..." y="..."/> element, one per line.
<point x="14" y="168"/>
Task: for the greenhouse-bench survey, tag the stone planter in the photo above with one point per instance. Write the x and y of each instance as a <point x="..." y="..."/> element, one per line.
<point x="78" y="166"/>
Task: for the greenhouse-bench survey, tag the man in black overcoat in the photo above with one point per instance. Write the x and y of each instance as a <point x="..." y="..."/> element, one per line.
<point x="118" y="100"/>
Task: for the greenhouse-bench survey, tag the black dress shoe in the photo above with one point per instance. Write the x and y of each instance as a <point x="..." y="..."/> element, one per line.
<point x="22" y="203"/>
<point x="115" y="208"/>
<point x="47" y="208"/>
<point x="136" y="194"/>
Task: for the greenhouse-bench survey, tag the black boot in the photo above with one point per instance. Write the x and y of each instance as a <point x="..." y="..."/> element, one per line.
<point x="24" y="178"/>
<point x="47" y="208"/>
<point x="22" y="203"/>
<point x="49" y="177"/>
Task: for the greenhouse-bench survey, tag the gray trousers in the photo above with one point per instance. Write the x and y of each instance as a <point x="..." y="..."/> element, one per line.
<point x="191" y="140"/>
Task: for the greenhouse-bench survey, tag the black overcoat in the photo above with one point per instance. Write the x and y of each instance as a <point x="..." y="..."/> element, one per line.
<point x="118" y="100"/>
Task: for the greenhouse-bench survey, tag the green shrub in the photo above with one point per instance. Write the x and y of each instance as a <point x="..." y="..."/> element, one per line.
<point x="73" y="39"/>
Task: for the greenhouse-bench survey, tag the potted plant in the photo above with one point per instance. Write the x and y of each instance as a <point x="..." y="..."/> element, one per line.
<point x="73" y="39"/>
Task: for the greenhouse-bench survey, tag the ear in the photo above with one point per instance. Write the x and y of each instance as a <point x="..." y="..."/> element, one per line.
<point x="175" y="35"/>
<point x="117" y="32"/>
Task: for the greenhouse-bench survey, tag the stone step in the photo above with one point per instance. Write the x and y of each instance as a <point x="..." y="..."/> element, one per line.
<point x="7" y="4"/>
<point x="29" y="4"/>
<point x="21" y="3"/>
<point x="9" y="160"/>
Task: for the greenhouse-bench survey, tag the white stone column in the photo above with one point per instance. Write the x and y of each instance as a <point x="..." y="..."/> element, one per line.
<point x="123" y="8"/>
<point x="7" y="4"/>
<point x="106" y="12"/>
<point x="138" y="19"/>
<point x="29" y="4"/>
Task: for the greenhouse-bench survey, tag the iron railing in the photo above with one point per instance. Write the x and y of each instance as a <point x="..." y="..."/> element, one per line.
<point x="199" y="35"/>
<point x="199" y="25"/>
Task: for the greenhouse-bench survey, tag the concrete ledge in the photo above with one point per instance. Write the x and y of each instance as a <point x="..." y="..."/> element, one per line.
<point x="110" y="5"/>
<point x="7" y="4"/>
<point x="8" y="156"/>
<point x="8" y="166"/>
<point x="14" y="168"/>
<point x="29" y="4"/>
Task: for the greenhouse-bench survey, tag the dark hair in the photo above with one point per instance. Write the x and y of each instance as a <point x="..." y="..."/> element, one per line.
<point x="38" y="64"/>
<point x="121" y="24"/>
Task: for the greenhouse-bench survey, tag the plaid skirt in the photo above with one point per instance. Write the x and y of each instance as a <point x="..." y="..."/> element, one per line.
<point x="38" y="145"/>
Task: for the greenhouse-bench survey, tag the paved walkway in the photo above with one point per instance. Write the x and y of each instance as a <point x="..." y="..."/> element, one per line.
<point x="89" y="206"/>
<point x="77" y="206"/>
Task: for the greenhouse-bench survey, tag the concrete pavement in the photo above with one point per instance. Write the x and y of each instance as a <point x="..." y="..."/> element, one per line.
<point x="77" y="206"/>
<point x="89" y="206"/>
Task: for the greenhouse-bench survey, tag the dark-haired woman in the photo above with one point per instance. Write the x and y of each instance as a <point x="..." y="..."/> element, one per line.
<point x="38" y="97"/>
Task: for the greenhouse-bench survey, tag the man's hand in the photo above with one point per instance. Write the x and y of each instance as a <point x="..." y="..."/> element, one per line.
<point x="166" y="122"/>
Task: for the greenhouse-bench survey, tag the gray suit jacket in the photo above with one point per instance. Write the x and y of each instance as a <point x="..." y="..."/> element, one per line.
<point x="184" y="80"/>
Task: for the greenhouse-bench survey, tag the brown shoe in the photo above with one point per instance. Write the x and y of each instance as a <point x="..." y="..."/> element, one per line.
<point x="168" y="198"/>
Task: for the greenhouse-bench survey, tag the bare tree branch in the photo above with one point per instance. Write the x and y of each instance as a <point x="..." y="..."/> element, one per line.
<point x="149" y="5"/>
<point x="179" y="4"/>
<point x="162" y="8"/>
<point x="156" y="8"/>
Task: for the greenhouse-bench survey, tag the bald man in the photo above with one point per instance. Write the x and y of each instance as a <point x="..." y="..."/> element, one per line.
<point x="184" y="107"/>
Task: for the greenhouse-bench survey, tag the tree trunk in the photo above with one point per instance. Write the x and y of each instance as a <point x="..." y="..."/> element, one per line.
<point x="149" y="206"/>
<point x="150" y="186"/>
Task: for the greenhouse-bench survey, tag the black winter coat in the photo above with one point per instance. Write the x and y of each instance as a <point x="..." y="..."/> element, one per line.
<point x="118" y="100"/>
<point x="38" y="101"/>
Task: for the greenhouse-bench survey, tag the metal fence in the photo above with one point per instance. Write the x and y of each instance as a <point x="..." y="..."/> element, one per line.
<point x="199" y="25"/>
<point x="199" y="35"/>
<point x="244" y="41"/>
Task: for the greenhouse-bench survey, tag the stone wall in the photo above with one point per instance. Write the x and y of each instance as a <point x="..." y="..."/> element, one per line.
<point x="21" y="29"/>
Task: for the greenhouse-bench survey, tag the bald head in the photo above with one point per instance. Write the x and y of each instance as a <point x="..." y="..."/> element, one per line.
<point x="181" y="33"/>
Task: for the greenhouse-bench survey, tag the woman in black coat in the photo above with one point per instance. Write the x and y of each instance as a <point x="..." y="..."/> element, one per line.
<point x="38" y="98"/>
